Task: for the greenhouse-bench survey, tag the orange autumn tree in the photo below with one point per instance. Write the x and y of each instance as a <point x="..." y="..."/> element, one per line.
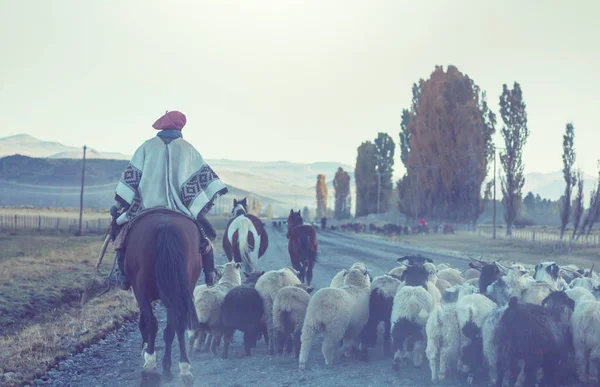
<point x="446" y="147"/>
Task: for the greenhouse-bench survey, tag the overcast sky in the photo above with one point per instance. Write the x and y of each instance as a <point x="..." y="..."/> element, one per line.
<point x="297" y="80"/>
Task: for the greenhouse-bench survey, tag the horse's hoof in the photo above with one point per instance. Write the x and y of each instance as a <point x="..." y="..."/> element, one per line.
<point x="185" y="373"/>
<point x="149" y="361"/>
<point x="187" y="379"/>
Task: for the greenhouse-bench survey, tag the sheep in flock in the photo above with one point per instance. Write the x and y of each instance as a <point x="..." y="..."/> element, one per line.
<point x="578" y="294"/>
<point x="412" y="260"/>
<point x="208" y="300"/>
<point x="433" y="279"/>
<point x="517" y="283"/>
<point x="490" y="272"/>
<point x="249" y="281"/>
<point x="569" y="273"/>
<point x="338" y="313"/>
<point x="289" y="310"/>
<point x="442" y="285"/>
<point x="442" y="266"/>
<point x="472" y="282"/>
<point x="208" y="338"/>
<point x="397" y="271"/>
<point x="590" y="284"/>
<point x="585" y="322"/>
<point x="251" y="278"/>
<point x="411" y="308"/>
<point x="550" y="272"/>
<point x="451" y="275"/>
<point x="488" y="336"/>
<point x="536" y="335"/>
<point x="471" y="312"/>
<point x="383" y="289"/>
<point x="443" y="336"/>
<point x="338" y="280"/>
<point x="471" y="274"/>
<point x="242" y="309"/>
<point x="267" y="287"/>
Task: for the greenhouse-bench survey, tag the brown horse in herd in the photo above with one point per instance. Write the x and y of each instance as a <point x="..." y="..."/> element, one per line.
<point x="163" y="262"/>
<point x="302" y="246"/>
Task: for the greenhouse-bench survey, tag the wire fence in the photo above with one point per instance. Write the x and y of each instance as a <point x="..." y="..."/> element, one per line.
<point x="543" y="237"/>
<point x="44" y="223"/>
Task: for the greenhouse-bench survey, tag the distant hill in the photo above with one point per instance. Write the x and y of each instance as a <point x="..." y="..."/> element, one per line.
<point x="290" y="184"/>
<point x="552" y="185"/>
<point x="282" y="181"/>
<point x="27" y="145"/>
<point x="56" y="183"/>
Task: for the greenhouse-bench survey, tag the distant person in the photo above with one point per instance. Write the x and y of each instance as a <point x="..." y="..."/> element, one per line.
<point x="167" y="172"/>
<point x="423" y="223"/>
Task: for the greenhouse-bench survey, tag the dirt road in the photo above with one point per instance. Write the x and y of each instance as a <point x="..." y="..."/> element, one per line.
<point x="117" y="361"/>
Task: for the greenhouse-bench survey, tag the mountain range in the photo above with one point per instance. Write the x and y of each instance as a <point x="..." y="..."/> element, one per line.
<point x="44" y="164"/>
<point x="282" y="184"/>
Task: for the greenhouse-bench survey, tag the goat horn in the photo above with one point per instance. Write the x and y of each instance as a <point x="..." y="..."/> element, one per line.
<point x="501" y="266"/>
<point x="572" y="272"/>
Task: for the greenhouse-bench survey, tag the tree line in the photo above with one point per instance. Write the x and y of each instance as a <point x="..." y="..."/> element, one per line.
<point x="342" y="198"/>
<point x="447" y="150"/>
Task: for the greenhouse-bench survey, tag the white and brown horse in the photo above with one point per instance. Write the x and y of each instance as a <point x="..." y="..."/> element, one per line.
<point x="245" y="238"/>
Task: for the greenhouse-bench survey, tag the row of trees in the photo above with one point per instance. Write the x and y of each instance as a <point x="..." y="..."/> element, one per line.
<point x="343" y="202"/>
<point x="574" y="209"/>
<point x="447" y="149"/>
<point x="373" y="173"/>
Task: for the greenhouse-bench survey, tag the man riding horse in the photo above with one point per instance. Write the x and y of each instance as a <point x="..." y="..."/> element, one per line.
<point x="167" y="172"/>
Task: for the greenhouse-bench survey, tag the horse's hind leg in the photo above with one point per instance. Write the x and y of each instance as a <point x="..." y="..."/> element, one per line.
<point x="143" y="331"/>
<point x="169" y="336"/>
<point x="185" y="372"/>
<point x="151" y="329"/>
<point x="302" y="270"/>
<point x="194" y="336"/>
<point x="309" y="272"/>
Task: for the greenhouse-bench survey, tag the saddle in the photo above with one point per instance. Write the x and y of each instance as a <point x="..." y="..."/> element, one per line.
<point x="120" y="240"/>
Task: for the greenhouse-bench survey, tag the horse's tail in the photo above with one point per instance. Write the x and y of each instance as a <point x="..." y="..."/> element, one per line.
<point x="171" y="277"/>
<point x="244" y="249"/>
<point x="306" y="246"/>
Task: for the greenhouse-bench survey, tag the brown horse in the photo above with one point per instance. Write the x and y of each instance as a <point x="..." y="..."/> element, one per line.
<point x="302" y="246"/>
<point x="163" y="263"/>
<point x="242" y="233"/>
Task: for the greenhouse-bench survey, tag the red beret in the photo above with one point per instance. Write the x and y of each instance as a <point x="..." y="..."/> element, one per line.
<point x="171" y="120"/>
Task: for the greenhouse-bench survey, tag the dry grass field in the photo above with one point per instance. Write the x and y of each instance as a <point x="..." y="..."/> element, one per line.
<point x="517" y="250"/>
<point x="42" y="277"/>
<point x="88" y="213"/>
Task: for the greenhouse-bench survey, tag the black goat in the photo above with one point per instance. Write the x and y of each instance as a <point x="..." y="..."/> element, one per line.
<point x="537" y="335"/>
<point x="242" y="309"/>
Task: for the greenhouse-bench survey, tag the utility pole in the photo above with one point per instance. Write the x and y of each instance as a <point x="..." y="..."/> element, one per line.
<point x="378" y="190"/>
<point x="81" y="195"/>
<point x="494" y="228"/>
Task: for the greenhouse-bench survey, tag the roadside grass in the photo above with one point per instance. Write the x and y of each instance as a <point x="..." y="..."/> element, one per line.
<point x="515" y="250"/>
<point x="42" y="277"/>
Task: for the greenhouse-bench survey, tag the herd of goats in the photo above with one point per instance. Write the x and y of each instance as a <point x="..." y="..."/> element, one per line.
<point x="527" y="325"/>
